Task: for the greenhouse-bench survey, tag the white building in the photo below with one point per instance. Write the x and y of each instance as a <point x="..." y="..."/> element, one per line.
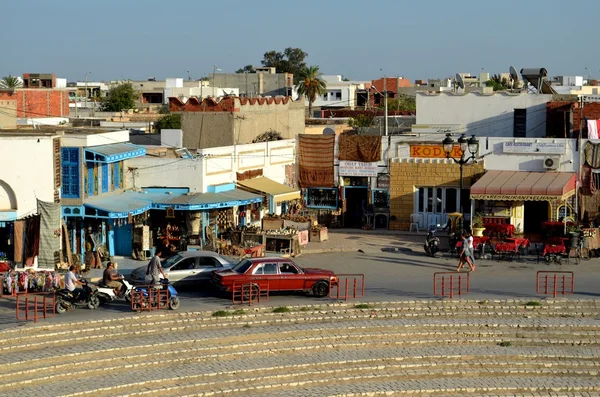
<point x="340" y="94"/>
<point x="500" y="114"/>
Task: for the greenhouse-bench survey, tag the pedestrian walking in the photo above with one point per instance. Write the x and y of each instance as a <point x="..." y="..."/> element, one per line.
<point x="465" y="256"/>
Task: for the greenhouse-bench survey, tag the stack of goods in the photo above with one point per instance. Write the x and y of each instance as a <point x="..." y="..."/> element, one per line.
<point x="32" y="281"/>
<point x="296" y="218"/>
<point x="288" y="231"/>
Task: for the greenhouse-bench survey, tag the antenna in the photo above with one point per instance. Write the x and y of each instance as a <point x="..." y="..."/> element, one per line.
<point x="459" y="81"/>
<point x="514" y="77"/>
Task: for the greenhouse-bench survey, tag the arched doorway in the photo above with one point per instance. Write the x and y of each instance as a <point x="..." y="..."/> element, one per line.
<point x="8" y="199"/>
<point x="8" y="214"/>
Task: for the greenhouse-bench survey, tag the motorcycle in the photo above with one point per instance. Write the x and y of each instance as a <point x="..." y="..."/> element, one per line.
<point x="142" y="297"/>
<point x="66" y="300"/>
<point x="432" y="242"/>
<point x="107" y="294"/>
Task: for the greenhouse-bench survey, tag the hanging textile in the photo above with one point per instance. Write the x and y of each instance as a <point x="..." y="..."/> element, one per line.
<point x="19" y="235"/>
<point x="592" y="127"/>
<point x="50" y="232"/>
<point x="315" y="160"/>
<point x="595" y="181"/>
<point x="592" y="154"/>
<point x="360" y="148"/>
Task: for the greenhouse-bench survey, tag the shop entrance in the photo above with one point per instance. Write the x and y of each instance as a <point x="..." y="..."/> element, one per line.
<point x="536" y="212"/>
<point x="356" y="206"/>
<point x="6" y="238"/>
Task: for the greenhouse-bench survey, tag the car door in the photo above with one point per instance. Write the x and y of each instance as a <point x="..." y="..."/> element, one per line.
<point x="267" y="272"/>
<point x="204" y="267"/>
<point x="292" y="278"/>
<point x="183" y="272"/>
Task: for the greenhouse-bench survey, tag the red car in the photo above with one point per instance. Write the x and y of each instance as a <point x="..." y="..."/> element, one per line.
<point x="280" y="274"/>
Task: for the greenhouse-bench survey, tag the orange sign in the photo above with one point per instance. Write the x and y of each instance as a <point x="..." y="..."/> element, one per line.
<point x="432" y="151"/>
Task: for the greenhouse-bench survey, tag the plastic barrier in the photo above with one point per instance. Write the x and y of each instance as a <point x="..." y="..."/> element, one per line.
<point x="554" y="283"/>
<point x="250" y="291"/>
<point x="348" y="283"/>
<point x="451" y="283"/>
<point x="35" y="306"/>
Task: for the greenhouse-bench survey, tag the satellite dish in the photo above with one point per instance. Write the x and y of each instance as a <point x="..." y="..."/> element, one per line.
<point x="459" y="81"/>
<point x="514" y="77"/>
<point x="328" y="131"/>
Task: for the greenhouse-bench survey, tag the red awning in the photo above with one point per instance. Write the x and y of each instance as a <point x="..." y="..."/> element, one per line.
<point x="523" y="185"/>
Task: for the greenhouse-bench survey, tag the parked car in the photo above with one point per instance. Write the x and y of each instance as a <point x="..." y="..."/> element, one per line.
<point x="186" y="268"/>
<point x="281" y="274"/>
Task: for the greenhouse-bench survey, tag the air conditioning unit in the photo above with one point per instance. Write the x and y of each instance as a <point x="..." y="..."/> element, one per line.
<point x="551" y="163"/>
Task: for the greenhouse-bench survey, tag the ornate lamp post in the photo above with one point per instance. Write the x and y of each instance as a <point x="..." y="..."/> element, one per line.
<point x="472" y="145"/>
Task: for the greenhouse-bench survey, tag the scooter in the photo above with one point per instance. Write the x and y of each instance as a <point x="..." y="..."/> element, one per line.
<point x="432" y="242"/>
<point x="142" y="297"/>
<point x="66" y="300"/>
<point x="107" y="294"/>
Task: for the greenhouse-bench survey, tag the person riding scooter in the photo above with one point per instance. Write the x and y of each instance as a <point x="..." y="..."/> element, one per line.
<point x="112" y="279"/>
<point x="71" y="282"/>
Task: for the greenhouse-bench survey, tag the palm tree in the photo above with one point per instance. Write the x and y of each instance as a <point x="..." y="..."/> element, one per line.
<point x="10" y="82"/>
<point x="499" y="83"/>
<point x="311" y="85"/>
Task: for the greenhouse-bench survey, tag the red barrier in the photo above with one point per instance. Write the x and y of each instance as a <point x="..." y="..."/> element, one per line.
<point x="34" y="304"/>
<point x="553" y="283"/>
<point x="451" y="283"/>
<point x="149" y="298"/>
<point x="347" y="283"/>
<point x="250" y="291"/>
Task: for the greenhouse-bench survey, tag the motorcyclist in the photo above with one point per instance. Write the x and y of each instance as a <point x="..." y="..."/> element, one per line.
<point x="112" y="279"/>
<point x="71" y="282"/>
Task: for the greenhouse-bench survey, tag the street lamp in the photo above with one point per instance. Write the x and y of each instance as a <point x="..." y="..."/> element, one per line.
<point x="472" y="146"/>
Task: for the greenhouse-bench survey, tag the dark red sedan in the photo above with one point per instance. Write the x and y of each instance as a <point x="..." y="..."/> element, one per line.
<point x="279" y="274"/>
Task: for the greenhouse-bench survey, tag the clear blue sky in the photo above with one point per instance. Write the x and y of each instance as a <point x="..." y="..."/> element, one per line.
<point x="137" y="39"/>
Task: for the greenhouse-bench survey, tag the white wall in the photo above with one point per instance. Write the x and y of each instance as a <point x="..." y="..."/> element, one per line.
<point x="86" y="140"/>
<point x="172" y="138"/>
<point x="43" y="121"/>
<point x="28" y="170"/>
<point x="484" y="115"/>
<point x="214" y="166"/>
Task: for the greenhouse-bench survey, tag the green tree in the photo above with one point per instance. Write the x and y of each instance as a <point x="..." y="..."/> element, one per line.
<point x="168" y="122"/>
<point x="403" y="103"/>
<point x="246" y="69"/>
<point x="11" y="82"/>
<point x="499" y="83"/>
<point x="119" y="97"/>
<point x="291" y="60"/>
<point x="361" y="120"/>
<point x="310" y="85"/>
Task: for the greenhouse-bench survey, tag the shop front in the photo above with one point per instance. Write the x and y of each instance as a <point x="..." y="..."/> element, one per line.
<point x="277" y="195"/>
<point x="522" y="202"/>
<point x="7" y="246"/>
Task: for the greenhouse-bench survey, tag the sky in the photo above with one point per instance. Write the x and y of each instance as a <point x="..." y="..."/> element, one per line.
<point x="362" y="40"/>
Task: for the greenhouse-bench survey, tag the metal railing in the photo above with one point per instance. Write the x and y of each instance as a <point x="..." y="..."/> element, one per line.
<point x="554" y="283"/>
<point x="250" y="292"/>
<point x="347" y="283"/>
<point x="451" y="283"/>
<point x="35" y="306"/>
<point x="149" y="297"/>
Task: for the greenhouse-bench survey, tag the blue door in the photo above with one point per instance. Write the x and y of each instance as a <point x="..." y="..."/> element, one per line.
<point x="123" y="240"/>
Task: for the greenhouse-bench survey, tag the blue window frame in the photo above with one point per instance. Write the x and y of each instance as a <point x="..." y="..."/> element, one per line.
<point x="104" y="178"/>
<point x="116" y="175"/>
<point x="70" y="172"/>
<point x="90" y="179"/>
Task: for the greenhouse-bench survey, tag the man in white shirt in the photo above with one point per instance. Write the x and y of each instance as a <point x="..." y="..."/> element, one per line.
<point x="71" y="284"/>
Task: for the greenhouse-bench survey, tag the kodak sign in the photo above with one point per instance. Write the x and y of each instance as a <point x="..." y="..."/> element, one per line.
<point x="432" y="151"/>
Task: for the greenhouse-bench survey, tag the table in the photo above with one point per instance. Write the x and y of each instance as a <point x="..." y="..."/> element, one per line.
<point x="477" y="241"/>
<point x="554" y="249"/>
<point x="499" y="229"/>
<point x="506" y="250"/>
<point x="520" y="242"/>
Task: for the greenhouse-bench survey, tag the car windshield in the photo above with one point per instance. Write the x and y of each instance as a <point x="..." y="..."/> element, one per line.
<point x="170" y="261"/>
<point x="242" y="266"/>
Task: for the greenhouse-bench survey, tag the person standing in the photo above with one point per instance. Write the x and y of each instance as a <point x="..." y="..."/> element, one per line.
<point x="154" y="269"/>
<point x="464" y="254"/>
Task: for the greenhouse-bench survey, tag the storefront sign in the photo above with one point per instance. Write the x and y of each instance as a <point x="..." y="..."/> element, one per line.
<point x="534" y="147"/>
<point x="383" y="181"/>
<point x="432" y="151"/>
<point x="357" y="168"/>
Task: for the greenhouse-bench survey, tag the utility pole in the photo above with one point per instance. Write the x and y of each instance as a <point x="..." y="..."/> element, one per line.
<point x="86" y="89"/>
<point x="385" y="106"/>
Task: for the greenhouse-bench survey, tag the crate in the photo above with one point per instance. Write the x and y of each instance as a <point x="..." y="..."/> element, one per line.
<point x="272" y="224"/>
<point x="316" y="236"/>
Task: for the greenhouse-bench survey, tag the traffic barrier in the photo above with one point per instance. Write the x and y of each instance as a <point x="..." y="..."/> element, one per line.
<point x="553" y="283"/>
<point x="149" y="297"/>
<point x="451" y="283"/>
<point x="250" y="291"/>
<point x="33" y="304"/>
<point x="347" y="283"/>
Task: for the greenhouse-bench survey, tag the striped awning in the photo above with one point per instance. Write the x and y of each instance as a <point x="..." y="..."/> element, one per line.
<point x="524" y="186"/>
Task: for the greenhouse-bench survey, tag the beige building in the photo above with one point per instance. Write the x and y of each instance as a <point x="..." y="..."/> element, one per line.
<point x="8" y="110"/>
<point x="235" y="121"/>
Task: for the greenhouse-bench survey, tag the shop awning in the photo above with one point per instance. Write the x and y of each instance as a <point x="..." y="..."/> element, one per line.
<point x="113" y="152"/>
<point x="279" y="191"/>
<point x="524" y="186"/>
<point x="120" y="205"/>
<point x="203" y="201"/>
<point x="8" y="215"/>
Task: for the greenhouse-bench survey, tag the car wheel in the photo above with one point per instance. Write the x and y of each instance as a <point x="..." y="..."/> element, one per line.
<point x="250" y="292"/>
<point x="321" y="289"/>
<point x="174" y="303"/>
<point x="94" y="302"/>
<point x="61" y="306"/>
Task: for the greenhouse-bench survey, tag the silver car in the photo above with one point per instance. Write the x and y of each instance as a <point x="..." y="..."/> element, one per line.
<point x="186" y="268"/>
